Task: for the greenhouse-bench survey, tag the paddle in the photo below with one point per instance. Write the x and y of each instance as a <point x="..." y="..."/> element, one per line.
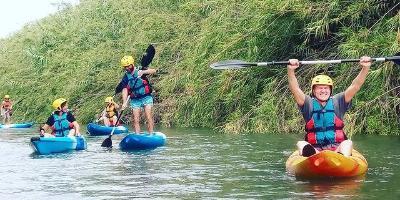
<point x="108" y="142"/>
<point x="101" y="115"/>
<point x="148" y="56"/>
<point x="39" y="122"/>
<point x="239" y="64"/>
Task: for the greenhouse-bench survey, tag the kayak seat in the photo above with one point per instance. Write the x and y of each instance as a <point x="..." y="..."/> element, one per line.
<point x="308" y="150"/>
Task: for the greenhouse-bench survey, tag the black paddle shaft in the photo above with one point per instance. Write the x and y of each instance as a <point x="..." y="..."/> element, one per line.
<point x="108" y="142"/>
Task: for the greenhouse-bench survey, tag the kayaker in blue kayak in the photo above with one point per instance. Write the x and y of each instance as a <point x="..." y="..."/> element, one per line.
<point x="140" y="92"/>
<point x="324" y="112"/>
<point x="62" y="122"/>
<point x="6" y="109"/>
<point x="109" y="114"/>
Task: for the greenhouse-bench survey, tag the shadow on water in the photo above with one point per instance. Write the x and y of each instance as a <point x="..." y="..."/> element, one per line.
<point x="64" y="155"/>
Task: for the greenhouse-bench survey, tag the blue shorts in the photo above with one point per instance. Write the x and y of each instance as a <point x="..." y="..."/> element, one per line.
<point x="140" y="103"/>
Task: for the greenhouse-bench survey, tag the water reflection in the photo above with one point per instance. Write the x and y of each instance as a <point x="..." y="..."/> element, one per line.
<point x="348" y="188"/>
<point x="195" y="164"/>
<point x="63" y="155"/>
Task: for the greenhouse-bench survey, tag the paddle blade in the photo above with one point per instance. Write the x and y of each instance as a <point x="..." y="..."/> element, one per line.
<point x="396" y="59"/>
<point x="148" y="56"/>
<point x="107" y="142"/>
<point x="232" y="64"/>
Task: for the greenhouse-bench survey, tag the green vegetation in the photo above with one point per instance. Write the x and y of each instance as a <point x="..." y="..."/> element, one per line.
<point x="75" y="54"/>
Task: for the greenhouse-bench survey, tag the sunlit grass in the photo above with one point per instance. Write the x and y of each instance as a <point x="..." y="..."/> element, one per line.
<point x="75" y="54"/>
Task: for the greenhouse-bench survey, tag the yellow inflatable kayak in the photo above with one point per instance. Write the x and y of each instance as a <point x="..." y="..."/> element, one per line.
<point x="326" y="164"/>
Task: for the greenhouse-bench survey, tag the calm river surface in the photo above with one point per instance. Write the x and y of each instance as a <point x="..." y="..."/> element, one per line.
<point x="195" y="164"/>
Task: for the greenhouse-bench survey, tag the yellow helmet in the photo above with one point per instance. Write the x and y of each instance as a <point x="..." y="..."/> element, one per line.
<point x="6" y="96"/>
<point x="57" y="103"/>
<point x="108" y="100"/>
<point x="321" y="80"/>
<point x="127" y="60"/>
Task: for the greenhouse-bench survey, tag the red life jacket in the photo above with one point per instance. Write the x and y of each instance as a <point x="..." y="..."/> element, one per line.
<point x="324" y="127"/>
<point x="138" y="87"/>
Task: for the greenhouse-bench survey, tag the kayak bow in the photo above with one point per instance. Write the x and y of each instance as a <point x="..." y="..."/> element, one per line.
<point x="326" y="164"/>
<point x="97" y="130"/>
<point x="20" y="125"/>
<point x="143" y="141"/>
<point x="48" y="145"/>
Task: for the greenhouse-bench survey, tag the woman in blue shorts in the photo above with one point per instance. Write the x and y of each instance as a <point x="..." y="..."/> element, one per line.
<point x="140" y="92"/>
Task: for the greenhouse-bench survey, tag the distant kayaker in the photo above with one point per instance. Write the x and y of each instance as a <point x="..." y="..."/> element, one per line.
<point x="109" y="114"/>
<point x="140" y="92"/>
<point x="62" y="122"/>
<point x="324" y="112"/>
<point x="6" y="109"/>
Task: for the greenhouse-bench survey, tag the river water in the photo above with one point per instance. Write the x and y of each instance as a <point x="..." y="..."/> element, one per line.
<point x="195" y="164"/>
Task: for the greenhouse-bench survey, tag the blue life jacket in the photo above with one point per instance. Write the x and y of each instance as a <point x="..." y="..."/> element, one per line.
<point x="61" y="125"/>
<point x="137" y="86"/>
<point x="324" y="127"/>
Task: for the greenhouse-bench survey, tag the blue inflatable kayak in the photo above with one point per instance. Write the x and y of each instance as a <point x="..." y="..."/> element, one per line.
<point x="48" y="145"/>
<point x="143" y="141"/>
<point x="95" y="129"/>
<point x="21" y="125"/>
